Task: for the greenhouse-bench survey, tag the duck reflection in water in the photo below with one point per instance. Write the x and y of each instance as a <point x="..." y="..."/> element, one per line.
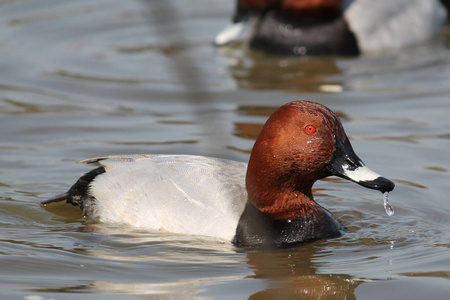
<point x="295" y="276"/>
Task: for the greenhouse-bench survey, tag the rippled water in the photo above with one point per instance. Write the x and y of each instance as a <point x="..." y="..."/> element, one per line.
<point x="81" y="79"/>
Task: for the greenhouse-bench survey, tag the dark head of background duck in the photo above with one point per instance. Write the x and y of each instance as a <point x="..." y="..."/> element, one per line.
<point x="319" y="9"/>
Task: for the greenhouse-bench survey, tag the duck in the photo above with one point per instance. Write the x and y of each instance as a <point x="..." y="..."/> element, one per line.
<point x="334" y="27"/>
<point x="267" y="202"/>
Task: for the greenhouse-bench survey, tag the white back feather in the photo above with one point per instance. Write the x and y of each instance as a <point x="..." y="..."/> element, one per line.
<point x="387" y="24"/>
<point x="177" y="193"/>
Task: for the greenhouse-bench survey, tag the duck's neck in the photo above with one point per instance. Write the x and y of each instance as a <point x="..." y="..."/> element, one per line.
<point x="276" y="188"/>
<point x="284" y="204"/>
<point x="281" y="209"/>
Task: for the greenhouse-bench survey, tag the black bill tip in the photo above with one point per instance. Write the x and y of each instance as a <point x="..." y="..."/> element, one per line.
<point x="381" y="183"/>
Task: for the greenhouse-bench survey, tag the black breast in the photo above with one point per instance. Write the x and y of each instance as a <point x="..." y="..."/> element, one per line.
<point x="257" y="229"/>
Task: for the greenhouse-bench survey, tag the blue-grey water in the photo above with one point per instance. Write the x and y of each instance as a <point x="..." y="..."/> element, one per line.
<point x="81" y="79"/>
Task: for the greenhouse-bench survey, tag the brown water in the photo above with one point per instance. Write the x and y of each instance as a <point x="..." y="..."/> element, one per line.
<point x="80" y="79"/>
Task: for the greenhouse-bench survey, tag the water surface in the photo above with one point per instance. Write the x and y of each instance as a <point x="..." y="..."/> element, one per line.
<point x="82" y="79"/>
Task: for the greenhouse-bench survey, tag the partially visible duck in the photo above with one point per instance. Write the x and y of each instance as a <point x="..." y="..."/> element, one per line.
<point x="268" y="202"/>
<point x="345" y="27"/>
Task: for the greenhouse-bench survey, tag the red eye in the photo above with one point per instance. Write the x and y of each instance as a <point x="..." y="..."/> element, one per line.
<point x="310" y="129"/>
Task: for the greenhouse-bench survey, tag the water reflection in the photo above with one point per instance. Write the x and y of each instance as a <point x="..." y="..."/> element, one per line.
<point x="258" y="71"/>
<point x="294" y="275"/>
<point x="190" y="288"/>
<point x="147" y="264"/>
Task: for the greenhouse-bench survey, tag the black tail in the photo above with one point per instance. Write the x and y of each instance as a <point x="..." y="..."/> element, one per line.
<point x="57" y="198"/>
<point x="78" y="194"/>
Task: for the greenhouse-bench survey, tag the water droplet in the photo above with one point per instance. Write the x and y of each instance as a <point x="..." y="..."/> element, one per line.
<point x="387" y="207"/>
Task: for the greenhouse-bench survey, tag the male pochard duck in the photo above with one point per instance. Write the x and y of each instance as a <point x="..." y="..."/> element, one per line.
<point x="268" y="202"/>
<point x="346" y="27"/>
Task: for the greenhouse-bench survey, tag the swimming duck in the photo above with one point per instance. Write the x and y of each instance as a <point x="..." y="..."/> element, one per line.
<point x="267" y="202"/>
<point x="344" y="27"/>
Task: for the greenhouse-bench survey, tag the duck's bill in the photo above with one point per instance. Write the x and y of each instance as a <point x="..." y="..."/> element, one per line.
<point x="346" y="164"/>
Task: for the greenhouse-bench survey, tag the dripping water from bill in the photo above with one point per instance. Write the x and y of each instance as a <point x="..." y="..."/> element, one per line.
<point x="387" y="207"/>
